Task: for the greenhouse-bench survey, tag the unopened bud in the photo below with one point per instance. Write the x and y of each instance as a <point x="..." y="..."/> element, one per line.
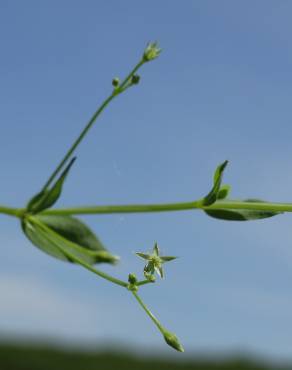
<point x="132" y="286"/>
<point x="116" y="82"/>
<point x="172" y="340"/>
<point x="135" y="79"/>
<point x="151" y="278"/>
<point x="132" y="279"/>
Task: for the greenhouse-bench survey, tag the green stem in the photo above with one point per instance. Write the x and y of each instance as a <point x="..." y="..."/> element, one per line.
<point x="115" y="93"/>
<point x="134" y="70"/>
<point x="16" y="212"/>
<point x="164" y="207"/>
<point x="127" y="208"/>
<point x="169" y="207"/>
<point x="98" y="272"/>
<point x="144" y="282"/>
<point x="149" y="313"/>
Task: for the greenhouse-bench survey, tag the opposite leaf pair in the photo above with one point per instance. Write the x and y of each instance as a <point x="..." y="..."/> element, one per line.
<point x="62" y="236"/>
<point x="219" y="193"/>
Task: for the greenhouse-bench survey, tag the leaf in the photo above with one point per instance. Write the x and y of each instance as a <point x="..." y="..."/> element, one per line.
<point x="66" y="234"/>
<point x="212" y="196"/>
<point x="47" y="198"/>
<point x="240" y="214"/>
<point x="223" y="192"/>
<point x="36" y="199"/>
<point x="73" y="229"/>
<point x="40" y="241"/>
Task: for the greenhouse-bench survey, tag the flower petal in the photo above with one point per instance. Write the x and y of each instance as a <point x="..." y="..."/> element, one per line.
<point x="145" y="256"/>
<point x="159" y="271"/>
<point x="156" y="250"/>
<point x="167" y="258"/>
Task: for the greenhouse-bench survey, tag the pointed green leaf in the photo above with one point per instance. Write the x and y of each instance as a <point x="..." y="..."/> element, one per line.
<point x="36" y="199"/>
<point x="212" y="196"/>
<point x="69" y="234"/>
<point x="240" y="214"/>
<point x="223" y="192"/>
<point x="46" y="199"/>
<point x="73" y="229"/>
<point x="41" y="241"/>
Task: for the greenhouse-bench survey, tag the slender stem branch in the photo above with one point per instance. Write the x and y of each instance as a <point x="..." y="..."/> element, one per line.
<point x="134" y="70"/>
<point x="149" y="313"/>
<point x="169" y="207"/>
<point x="98" y="272"/>
<point x="77" y="141"/>
<point x="144" y="282"/>
<point x="91" y="122"/>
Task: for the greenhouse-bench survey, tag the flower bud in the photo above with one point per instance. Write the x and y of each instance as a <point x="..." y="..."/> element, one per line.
<point x="172" y="340"/>
<point x="132" y="286"/>
<point x="135" y="79"/>
<point x="150" y="277"/>
<point x="116" y="82"/>
<point x="132" y="279"/>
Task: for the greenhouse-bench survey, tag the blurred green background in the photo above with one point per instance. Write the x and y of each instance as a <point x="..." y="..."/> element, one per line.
<point x="21" y="357"/>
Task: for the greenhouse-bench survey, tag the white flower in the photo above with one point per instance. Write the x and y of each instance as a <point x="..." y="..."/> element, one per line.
<point x="154" y="262"/>
<point x="151" y="52"/>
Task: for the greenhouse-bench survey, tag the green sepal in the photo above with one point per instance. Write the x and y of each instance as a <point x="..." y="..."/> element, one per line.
<point x="47" y="198"/>
<point x="241" y="214"/>
<point x="149" y="268"/>
<point x="212" y="196"/>
<point x="58" y="235"/>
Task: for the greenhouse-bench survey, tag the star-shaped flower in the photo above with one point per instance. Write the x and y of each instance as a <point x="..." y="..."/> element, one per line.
<point x="151" y="52"/>
<point x="154" y="262"/>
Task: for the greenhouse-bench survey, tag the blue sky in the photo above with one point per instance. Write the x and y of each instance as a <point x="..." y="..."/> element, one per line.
<point x="220" y="90"/>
